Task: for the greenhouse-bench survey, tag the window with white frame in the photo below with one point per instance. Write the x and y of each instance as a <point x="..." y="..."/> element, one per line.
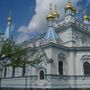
<point x="60" y="67"/>
<point x="61" y="58"/>
<point x="86" y="68"/>
<point x="86" y="64"/>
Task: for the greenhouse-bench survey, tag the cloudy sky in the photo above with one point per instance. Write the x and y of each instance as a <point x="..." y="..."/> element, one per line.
<point x="29" y="16"/>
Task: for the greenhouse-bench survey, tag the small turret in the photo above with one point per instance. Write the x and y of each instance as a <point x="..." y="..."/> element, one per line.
<point x="86" y="20"/>
<point x="51" y="35"/>
<point x="9" y="27"/>
<point x="69" y="9"/>
<point x="69" y="5"/>
<point x="86" y="17"/>
<point x="50" y="16"/>
<point x="56" y="14"/>
<point x="70" y="12"/>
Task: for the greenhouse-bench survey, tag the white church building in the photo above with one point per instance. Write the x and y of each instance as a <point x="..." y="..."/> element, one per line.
<point x="66" y="61"/>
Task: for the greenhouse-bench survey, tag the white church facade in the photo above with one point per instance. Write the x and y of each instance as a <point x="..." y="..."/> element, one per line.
<point x="66" y="61"/>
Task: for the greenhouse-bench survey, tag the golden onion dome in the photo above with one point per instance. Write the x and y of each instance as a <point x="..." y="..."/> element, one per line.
<point x="50" y="16"/>
<point x="69" y="6"/>
<point x="86" y="17"/>
<point x="74" y="10"/>
<point x="56" y="14"/>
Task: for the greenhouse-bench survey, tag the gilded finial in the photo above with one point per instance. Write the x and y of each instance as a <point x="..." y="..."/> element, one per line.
<point x="70" y="6"/>
<point x="69" y="1"/>
<point x="50" y="6"/>
<point x="55" y="7"/>
<point x="50" y="15"/>
<point x="55" y="13"/>
<point x="86" y="17"/>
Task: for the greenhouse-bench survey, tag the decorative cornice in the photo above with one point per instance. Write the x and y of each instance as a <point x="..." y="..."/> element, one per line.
<point x="65" y="48"/>
<point x="72" y="25"/>
<point x="85" y="57"/>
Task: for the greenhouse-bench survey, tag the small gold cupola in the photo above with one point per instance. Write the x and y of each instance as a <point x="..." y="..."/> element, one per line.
<point x="74" y="10"/>
<point x="70" y="7"/>
<point x="86" y="17"/>
<point x="55" y="13"/>
<point x="50" y="15"/>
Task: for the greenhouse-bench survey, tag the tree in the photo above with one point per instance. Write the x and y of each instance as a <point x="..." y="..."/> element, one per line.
<point x="7" y="48"/>
<point x="19" y="56"/>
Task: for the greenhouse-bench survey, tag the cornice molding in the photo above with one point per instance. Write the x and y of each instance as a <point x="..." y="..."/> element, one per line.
<point x="65" y="48"/>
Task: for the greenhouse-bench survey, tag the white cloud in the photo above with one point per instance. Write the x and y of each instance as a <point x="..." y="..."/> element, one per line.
<point x="24" y="34"/>
<point x="23" y="29"/>
<point x="38" y="22"/>
<point x="22" y="37"/>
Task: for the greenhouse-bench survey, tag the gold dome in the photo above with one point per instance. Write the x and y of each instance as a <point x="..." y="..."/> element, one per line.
<point x="86" y="17"/>
<point x="69" y="6"/>
<point x="74" y="10"/>
<point x="55" y="13"/>
<point x="50" y="16"/>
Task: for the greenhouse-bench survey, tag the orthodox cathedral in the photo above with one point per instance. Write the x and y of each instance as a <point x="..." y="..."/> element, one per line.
<point x="66" y="61"/>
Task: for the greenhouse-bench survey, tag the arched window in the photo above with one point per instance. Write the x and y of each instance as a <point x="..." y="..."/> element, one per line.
<point x="13" y="72"/>
<point x="41" y="74"/>
<point x="60" y="67"/>
<point x="5" y="71"/>
<point x="86" y="68"/>
<point x="23" y="71"/>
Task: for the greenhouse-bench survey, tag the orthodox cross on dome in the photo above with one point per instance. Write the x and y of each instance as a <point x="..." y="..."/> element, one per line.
<point x="56" y="14"/>
<point x="51" y="35"/>
<point x="55" y="7"/>
<point x="50" y="16"/>
<point x="50" y="6"/>
<point x="69" y="1"/>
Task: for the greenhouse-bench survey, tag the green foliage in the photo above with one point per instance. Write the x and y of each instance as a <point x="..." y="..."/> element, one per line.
<point x="7" y="49"/>
<point x="19" y="56"/>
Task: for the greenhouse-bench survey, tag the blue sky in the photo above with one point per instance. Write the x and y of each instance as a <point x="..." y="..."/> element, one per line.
<point x="27" y="14"/>
<point x="22" y="12"/>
